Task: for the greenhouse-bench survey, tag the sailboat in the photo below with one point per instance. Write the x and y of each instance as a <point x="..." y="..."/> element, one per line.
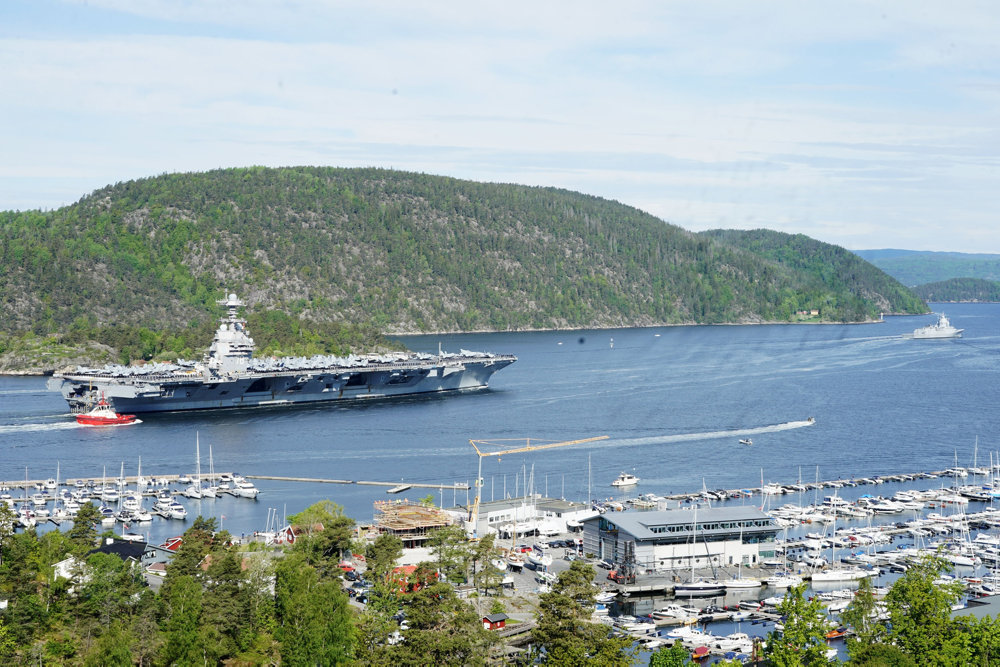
<point x="194" y="490"/>
<point x="697" y="587"/>
<point x="838" y="572"/>
<point x="738" y="581"/>
<point x="134" y="501"/>
<point x="211" y="490"/>
<point x="784" y="578"/>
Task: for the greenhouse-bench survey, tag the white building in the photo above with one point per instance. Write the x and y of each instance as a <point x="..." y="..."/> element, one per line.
<point x="670" y="539"/>
<point x="525" y="516"/>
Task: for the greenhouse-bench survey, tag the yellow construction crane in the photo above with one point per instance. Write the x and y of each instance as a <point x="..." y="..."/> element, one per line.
<point x="527" y="447"/>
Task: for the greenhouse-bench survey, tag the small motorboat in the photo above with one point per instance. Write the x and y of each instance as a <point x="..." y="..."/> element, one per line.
<point x="103" y="414"/>
<point x="625" y="479"/>
<point x="746" y="441"/>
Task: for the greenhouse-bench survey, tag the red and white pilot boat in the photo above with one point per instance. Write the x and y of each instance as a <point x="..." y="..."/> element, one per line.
<point x="103" y="414"/>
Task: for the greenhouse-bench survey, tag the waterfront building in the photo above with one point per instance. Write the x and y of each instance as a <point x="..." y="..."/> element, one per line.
<point x="524" y="516"/>
<point x="671" y="540"/>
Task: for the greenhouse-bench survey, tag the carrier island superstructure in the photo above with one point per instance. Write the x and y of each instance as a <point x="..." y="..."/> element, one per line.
<point x="230" y="377"/>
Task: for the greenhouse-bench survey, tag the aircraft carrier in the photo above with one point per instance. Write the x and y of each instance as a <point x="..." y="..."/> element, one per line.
<point x="230" y="377"/>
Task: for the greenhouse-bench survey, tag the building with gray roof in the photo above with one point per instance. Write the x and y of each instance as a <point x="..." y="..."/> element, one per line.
<point x="683" y="538"/>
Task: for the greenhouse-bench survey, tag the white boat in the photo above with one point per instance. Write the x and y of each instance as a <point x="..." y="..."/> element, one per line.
<point x="783" y="580"/>
<point x="941" y="329"/>
<point x="696" y="587"/>
<point x="515" y="561"/>
<point x="170" y="508"/>
<point x="738" y="641"/>
<point x="746" y="441"/>
<point x="244" y="488"/>
<point x="625" y="479"/>
<point x="605" y="596"/>
<point x="740" y="583"/>
<point x="539" y="559"/>
<point x="699" y="588"/>
<point x="195" y="491"/>
<point x="838" y="572"/>
<point x="210" y="490"/>
<point x="682" y="612"/>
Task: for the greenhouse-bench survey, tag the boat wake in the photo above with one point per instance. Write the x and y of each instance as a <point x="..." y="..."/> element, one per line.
<point x="708" y="435"/>
<point x="129" y="423"/>
<point x="27" y="428"/>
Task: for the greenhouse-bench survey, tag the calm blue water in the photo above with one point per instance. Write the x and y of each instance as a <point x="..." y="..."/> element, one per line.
<point x="674" y="402"/>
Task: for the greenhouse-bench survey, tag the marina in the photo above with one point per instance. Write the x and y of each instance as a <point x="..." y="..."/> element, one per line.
<point x="673" y="412"/>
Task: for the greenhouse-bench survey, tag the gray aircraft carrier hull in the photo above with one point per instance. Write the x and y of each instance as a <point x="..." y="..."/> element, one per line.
<point x="150" y="394"/>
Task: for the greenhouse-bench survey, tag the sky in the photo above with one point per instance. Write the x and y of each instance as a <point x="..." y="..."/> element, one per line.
<point x="862" y="124"/>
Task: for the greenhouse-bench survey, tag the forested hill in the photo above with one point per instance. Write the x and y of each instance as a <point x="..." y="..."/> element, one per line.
<point x="960" y="290"/>
<point x="401" y="251"/>
<point x="847" y="282"/>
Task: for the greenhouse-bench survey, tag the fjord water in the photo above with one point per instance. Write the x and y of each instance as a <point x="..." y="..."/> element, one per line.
<point x="674" y="402"/>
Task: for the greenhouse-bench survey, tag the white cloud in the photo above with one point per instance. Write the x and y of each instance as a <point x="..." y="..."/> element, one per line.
<point x="841" y="119"/>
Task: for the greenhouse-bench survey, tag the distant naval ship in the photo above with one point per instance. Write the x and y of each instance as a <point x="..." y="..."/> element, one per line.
<point x="229" y="376"/>
<point x="941" y="329"/>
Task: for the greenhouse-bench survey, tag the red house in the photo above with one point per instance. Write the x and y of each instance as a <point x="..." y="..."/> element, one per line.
<point x="494" y="621"/>
<point x="409" y="579"/>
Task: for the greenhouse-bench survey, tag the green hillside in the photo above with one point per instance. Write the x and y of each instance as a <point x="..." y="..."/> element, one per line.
<point x="912" y="267"/>
<point x="395" y="252"/>
<point x="959" y="290"/>
<point x="834" y="278"/>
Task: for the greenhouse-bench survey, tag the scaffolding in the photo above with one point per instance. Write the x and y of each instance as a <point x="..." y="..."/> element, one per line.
<point x="410" y="522"/>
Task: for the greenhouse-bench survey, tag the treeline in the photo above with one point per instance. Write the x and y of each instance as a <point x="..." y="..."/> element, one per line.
<point x="224" y="604"/>
<point x="835" y="280"/>
<point x="399" y="252"/>
<point x="220" y="603"/>
<point x="960" y="290"/>
<point x="276" y="333"/>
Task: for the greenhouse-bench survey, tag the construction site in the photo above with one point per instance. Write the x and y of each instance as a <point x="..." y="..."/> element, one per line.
<point x="410" y="522"/>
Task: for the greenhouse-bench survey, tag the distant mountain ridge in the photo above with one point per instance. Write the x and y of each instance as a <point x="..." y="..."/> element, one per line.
<point x="965" y="290"/>
<point x="405" y="253"/>
<point x="919" y="267"/>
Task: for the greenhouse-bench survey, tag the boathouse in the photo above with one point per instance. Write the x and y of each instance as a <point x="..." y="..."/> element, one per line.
<point x="495" y="621"/>
<point x="683" y="538"/>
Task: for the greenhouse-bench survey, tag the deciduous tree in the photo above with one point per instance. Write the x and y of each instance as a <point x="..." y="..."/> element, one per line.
<point x="802" y="642"/>
<point x="564" y="633"/>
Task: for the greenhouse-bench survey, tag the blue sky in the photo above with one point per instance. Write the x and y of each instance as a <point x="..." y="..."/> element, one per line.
<point x="864" y="124"/>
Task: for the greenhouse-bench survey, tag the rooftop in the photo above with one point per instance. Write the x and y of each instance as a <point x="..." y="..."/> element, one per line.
<point x="714" y="520"/>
